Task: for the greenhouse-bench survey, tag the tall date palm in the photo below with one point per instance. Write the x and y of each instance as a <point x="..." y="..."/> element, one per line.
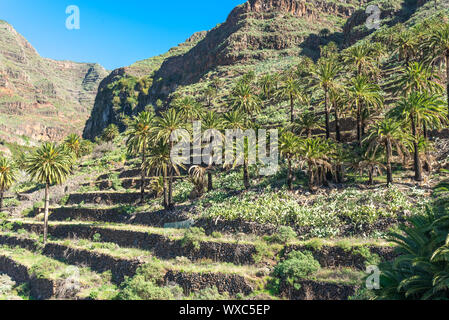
<point x="49" y="165"/>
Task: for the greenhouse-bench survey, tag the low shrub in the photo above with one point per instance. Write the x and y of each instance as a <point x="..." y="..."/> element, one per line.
<point x="283" y="235"/>
<point x="192" y="237"/>
<point x="297" y="266"/>
<point x="147" y="285"/>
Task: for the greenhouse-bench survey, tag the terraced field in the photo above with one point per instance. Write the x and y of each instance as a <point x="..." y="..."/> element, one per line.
<point x="98" y="245"/>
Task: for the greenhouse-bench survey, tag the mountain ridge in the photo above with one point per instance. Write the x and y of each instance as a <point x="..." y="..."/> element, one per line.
<point x="42" y="99"/>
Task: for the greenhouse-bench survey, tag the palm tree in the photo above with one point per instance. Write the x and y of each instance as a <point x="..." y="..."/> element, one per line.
<point x="237" y="120"/>
<point x="406" y="46"/>
<point x="211" y="121"/>
<point x="139" y="134"/>
<point x="415" y="109"/>
<point x="329" y="51"/>
<point x="188" y="108"/>
<point x="110" y="133"/>
<point x="290" y="89"/>
<point x="73" y="143"/>
<point x="421" y="270"/>
<point x="289" y="147"/>
<point x="425" y="148"/>
<point x="50" y="165"/>
<point x="325" y="78"/>
<point x="363" y="94"/>
<point x="416" y="77"/>
<point x="164" y="126"/>
<point x="159" y="161"/>
<point x="7" y="177"/>
<point x="268" y="84"/>
<point x="388" y="136"/>
<point x="340" y="157"/>
<point x="360" y="57"/>
<point x="244" y="99"/>
<point x="315" y="153"/>
<point x="306" y="123"/>
<point x="371" y="163"/>
<point x="438" y="44"/>
<point x="336" y="97"/>
<point x="157" y="186"/>
<point x="197" y="176"/>
<point x="210" y="93"/>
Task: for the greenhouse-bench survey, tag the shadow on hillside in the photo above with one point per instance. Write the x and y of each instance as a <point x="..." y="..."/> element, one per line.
<point x="311" y="45"/>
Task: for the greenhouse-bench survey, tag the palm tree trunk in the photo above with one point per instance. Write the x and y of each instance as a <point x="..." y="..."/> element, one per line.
<point x="326" y="108"/>
<point x="170" y="189"/>
<point x="447" y="79"/>
<point x="309" y="134"/>
<point x="1" y="200"/>
<point x="165" y="203"/>
<point x="47" y="202"/>
<point x="311" y="178"/>
<point x="371" y="174"/>
<point x="389" y="154"/>
<point x="292" y="109"/>
<point x="359" y="124"/>
<point x="417" y="162"/>
<point x="209" y="181"/>
<point x="337" y="124"/>
<point x="290" y="176"/>
<point x="339" y="174"/>
<point x="142" y="183"/>
<point x="246" y="174"/>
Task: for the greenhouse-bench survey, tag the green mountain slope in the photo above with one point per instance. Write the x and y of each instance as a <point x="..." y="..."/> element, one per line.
<point x="263" y="36"/>
<point x="125" y="89"/>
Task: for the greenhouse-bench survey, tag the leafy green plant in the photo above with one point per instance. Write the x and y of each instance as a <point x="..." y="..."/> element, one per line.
<point x="297" y="266"/>
<point x="283" y="235"/>
<point x="147" y="284"/>
<point x="96" y="237"/>
<point x="422" y="269"/>
<point x="127" y="209"/>
<point x="371" y="259"/>
<point x="192" y="237"/>
<point x="316" y="244"/>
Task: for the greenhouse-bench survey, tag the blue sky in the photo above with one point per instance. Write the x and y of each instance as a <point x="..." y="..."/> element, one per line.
<point x="113" y="33"/>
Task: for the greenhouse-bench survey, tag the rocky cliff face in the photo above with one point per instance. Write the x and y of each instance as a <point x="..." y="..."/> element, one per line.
<point x="255" y="31"/>
<point x="42" y="99"/>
